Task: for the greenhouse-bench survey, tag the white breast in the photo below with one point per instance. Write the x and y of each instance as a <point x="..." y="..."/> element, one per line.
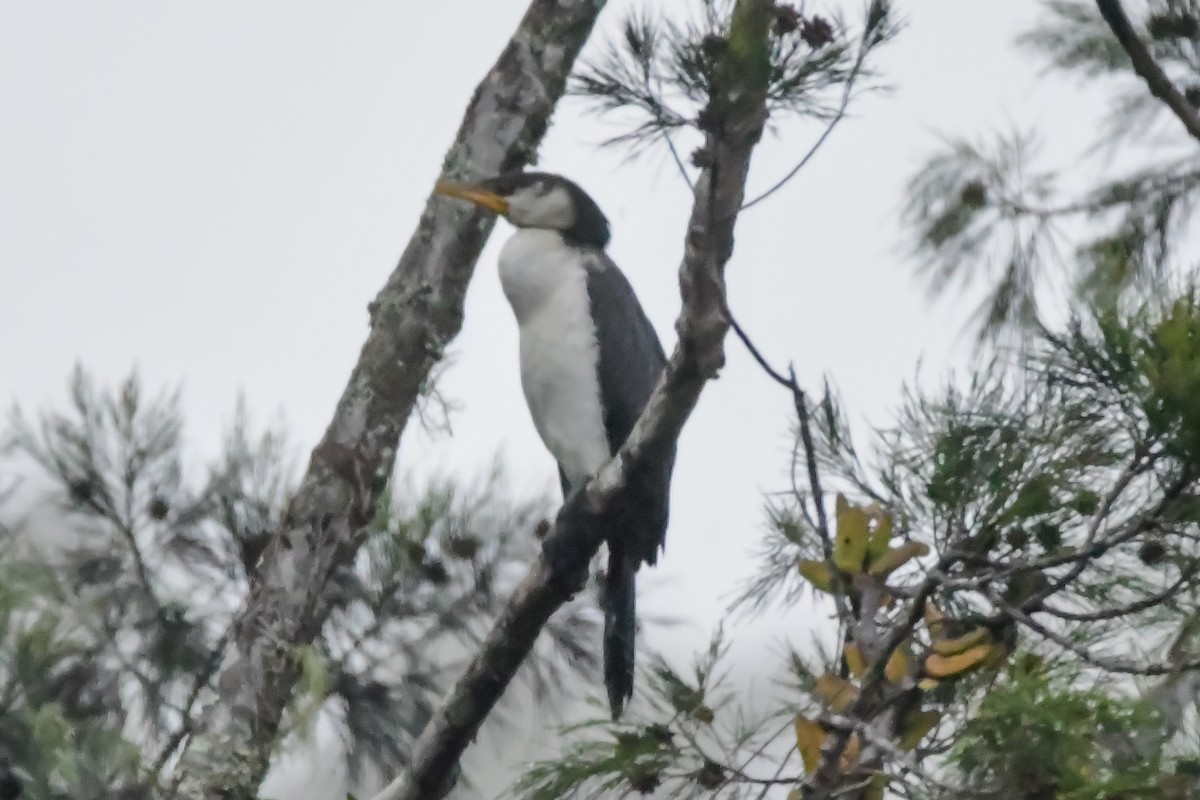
<point x="546" y="285"/>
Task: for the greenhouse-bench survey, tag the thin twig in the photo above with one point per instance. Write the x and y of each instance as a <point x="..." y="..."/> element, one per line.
<point x="1136" y="607"/>
<point x="666" y="134"/>
<point x="762" y="362"/>
<point x="778" y="771"/>
<point x="838" y="115"/>
<point x="1140" y="526"/>
<point x="810" y="456"/>
<point x="736" y="774"/>
<point x="826" y="782"/>
<point x="798" y="398"/>
<point x="125" y="529"/>
<point x="804" y="425"/>
<point x="201" y="680"/>
<point x="1145" y="66"/>
<point x="788" y="723"/>
<point x="1085" y="654"/>
<point x="678" y="161"/>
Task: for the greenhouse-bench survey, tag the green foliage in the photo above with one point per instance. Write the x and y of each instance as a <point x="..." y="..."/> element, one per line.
<point x="116" y="601"/>
<point x="1037" y="733"/>
<point x="1060" y="501"/>
<point x="666" y="72"/>
<point x="1170" y="362"/>
<point x="1075" y="39"/>
<point x="985" y="214"/>
<point x="55" y="704"/>
<point x="681" y="741"/>
<point x="429" y="579"/>
<point x="976" y="204"/>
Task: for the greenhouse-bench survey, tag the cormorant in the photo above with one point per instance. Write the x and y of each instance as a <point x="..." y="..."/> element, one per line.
<point x="589" y="361"/>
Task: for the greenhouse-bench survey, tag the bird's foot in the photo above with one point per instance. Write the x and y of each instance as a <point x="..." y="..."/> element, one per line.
<point x="562" y="557"/>
<point x="567" y="540"/>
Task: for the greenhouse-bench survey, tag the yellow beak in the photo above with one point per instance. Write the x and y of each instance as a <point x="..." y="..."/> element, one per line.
<point x="480" y="197"/>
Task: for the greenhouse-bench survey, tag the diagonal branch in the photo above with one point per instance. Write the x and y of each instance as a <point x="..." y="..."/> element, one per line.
<point x="1145" y="66"/>
<point x="417" y="313"/>
<point x="740" y="105"/>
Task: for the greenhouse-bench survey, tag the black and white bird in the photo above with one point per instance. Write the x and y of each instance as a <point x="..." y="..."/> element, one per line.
<point x="589" y="361"/>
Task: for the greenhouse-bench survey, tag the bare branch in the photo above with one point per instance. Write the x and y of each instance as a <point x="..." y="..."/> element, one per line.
<point x="578" y="530"/>
<point x="804" y="424"/>
<point x="1138" y="606"/>
<point x="1145" y="66"/>
<point x="801" y="405"/>
<point x="1119" y="666"/>
<point x="413" y="318"/>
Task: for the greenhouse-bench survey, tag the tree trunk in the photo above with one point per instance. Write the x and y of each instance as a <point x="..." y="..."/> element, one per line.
<point x="413" y="318"/>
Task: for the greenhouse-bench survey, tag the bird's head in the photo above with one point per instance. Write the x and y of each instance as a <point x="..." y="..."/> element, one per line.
<point x="538" y="200"/>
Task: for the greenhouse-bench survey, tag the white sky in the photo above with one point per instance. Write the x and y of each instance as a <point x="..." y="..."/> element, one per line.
<point x="214" y="191"/>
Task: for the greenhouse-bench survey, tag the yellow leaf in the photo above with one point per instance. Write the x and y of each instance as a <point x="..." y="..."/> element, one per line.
<point x="897" y="557"/>
<point x="809" y="738"/>
<point x="916" y="726"/>
<point x="896" y="668"/>
<point x="854" y="660"/>
<point x="881" y="538"/>
<point x="851" y="753"/>
<point x="838" y="693"/>
<point x="928" y="684"/>
<point x="817" y="573"/>
<point x="950" y="647"/>
<point x="938" y="666"/>
<point x="850" y="549"/>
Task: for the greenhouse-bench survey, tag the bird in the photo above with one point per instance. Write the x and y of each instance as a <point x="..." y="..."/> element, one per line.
<point x="589" y="361"/>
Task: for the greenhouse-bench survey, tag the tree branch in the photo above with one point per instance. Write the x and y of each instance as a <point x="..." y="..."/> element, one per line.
<point x="1119" y="666"/>
<point x="200" y="682"/>
<point x="740" y="108"/>
<point x="1145" y="66"/>
<point x="804" y="426"/>
<point x="864" y="46"/>
<point x="416" y="314"/>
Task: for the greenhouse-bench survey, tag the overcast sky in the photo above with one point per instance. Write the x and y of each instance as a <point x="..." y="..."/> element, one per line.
<point x="214" y="191"/>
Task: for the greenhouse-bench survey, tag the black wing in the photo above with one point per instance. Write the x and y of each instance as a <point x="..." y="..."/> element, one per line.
<point x="631" y="362"/>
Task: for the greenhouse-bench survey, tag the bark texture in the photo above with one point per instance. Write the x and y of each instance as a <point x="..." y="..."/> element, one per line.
<point x="414" y="316"/>
<point x="735" y="119"/>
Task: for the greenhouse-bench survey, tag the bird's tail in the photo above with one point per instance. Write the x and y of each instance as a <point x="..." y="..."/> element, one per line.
<point x="620" y="623"/>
